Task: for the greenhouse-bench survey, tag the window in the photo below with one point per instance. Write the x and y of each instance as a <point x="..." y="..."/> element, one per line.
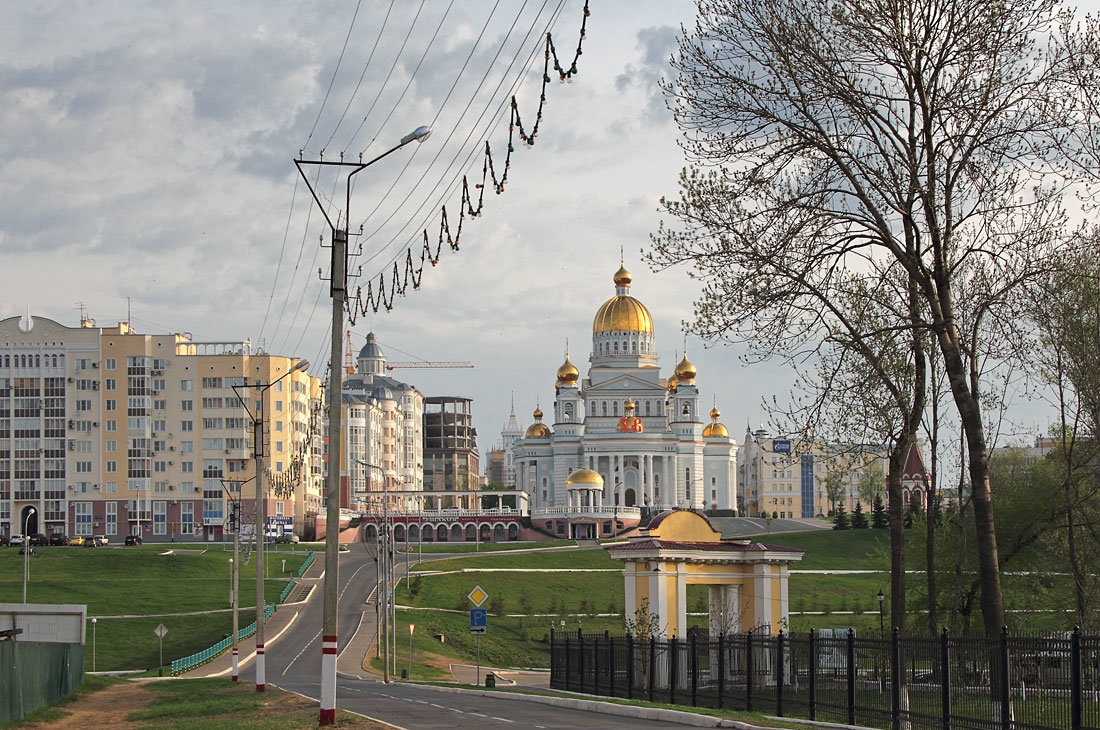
<point x="211" y="423"/>
<point x="211" y="382"/>
<point x="110" y="384"/>
<point x="112" y="425"/>
<point x="187" y="425"/>
<point x="83" y="405"/>
<point x="187" y="447"/>
<point x="187" y="385"/>
<point x="279" y="406"/>
<point x="83" y="512"/>
<point x="279" y="509"/>
<point x="211" y="402"/>
<point x="111" y="517"/>
<point x="159" y="384"/>
<point x="279" y="466"/>
<point x="159" y="404"/>
<point x="208" y="444"/>
<point x="187" y="405"/>
<point x="83" y="467"/>
<point x="279" y="426"/>
<point x="279" y="447"/>
<point x="110" y="446"/>
<point x="111" y="467"/>
<point x="110" y="364"/>
<point x="187" y="517"/>
<point x="160" y="518"/>
<point x="110" y="487"/>
<point x="188" y="467"/>
<point x="160" y="425"/>
<point x="110" y="405"/>
<point x="160" y="466"/>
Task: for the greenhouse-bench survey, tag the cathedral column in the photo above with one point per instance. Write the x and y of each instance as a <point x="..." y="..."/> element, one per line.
<point x="647" y="481"/>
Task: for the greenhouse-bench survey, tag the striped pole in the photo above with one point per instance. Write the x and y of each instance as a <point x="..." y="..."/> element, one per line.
<point x="328" y="680"/>
<point x="235" y="677"/>
<point x="261" y="683"/>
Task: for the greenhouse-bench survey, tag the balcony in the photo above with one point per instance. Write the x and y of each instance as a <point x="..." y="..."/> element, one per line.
<point x="607" y="510"/>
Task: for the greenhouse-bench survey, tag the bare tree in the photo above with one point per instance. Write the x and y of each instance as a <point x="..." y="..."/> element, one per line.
<point x="885" y="139"/>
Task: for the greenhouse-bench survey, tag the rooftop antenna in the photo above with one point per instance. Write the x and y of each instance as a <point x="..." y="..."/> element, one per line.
<point x="128" y="324"/>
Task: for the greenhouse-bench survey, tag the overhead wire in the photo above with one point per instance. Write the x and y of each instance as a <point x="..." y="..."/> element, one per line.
<point x="282" y="250"/>
<point x="335" y="71"/>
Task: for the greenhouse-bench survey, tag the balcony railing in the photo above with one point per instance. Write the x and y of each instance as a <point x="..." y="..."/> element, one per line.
<point x="607" y="510"/>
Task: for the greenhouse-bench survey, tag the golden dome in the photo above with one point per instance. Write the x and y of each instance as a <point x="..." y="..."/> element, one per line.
<point x="629" y="405"/>
<point x="715" y="413"/>
<point x="568" y="373"/>
<point x="685" y="372"/>
<point x="715" y="429"/>
<point x="622" y="277"/>
<point x="672" y="384"/>
<point x="537" y="431"/>
<point x="622" y="314"/>
<point x="585" y="476"/>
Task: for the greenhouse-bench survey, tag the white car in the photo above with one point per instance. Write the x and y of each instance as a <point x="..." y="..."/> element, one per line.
<point x="16" y="540"/>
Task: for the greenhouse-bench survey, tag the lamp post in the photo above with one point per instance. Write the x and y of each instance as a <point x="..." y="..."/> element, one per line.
<point x="93" y="643"/>
<point x="881" y="626"/>
<point x="338" y="289"/>
<point x="411" y="627"/>
<point x="385" y="552"/>
<point x="258" y="457"/>
<point x="26" y="549"/>
<point x="235" y="566"/>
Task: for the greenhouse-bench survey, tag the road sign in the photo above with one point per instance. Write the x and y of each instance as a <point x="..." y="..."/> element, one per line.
<point x="160" y="631"/>
<point x="478" y="596"/>
<point x="479" y="621"/>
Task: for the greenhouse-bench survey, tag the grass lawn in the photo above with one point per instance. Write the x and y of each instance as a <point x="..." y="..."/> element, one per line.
<point x="836" y="549"/>
<point x="56" y="712"/>
<point x="486" y="547"/>
<point x="545" y="592"/>
<point x="562" y="559"/>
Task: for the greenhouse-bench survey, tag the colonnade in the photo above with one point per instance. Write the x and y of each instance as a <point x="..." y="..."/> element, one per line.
<point x="656" y="487"/>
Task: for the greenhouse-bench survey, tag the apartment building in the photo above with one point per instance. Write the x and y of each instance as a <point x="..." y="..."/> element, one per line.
<point x="107" y="431"/>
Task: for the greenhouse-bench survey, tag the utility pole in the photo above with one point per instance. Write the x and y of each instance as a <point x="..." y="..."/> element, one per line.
<point x="338" y="290"/>
<point x="258" y="457"/>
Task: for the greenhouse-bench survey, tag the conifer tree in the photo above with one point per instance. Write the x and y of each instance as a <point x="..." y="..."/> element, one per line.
<point x="842" y="522"/>
<point x="859" y="520"/>
<point x="878" y="515"/>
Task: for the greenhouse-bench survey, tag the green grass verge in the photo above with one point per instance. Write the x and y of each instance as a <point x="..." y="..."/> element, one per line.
<point x="57" y="712"/>
<point x="561" y="559"/>
<point x="487" y="547"/>
<point x="836" y="549"/>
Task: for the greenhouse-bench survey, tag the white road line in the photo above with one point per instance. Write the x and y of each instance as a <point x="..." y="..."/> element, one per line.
<point x="502" y="719"/>
<point x="242" y="661"/>
<point x="299" y="655"/>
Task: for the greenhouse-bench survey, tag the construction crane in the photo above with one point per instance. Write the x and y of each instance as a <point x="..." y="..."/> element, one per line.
<point x="349" y="365"/>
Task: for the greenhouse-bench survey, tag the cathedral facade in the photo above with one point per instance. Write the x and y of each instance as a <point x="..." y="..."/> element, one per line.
<point x="625" y="438"/>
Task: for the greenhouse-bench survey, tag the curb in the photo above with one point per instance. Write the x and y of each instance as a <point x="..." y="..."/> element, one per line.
<point x="609" y="708"/>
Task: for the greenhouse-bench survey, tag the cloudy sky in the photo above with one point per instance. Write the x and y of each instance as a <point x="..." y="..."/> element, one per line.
<point x="148" y="154"/>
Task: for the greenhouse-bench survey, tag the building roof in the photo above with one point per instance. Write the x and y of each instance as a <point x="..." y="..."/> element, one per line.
<point x="371" y="349"/>
<point x="739" y="546"/>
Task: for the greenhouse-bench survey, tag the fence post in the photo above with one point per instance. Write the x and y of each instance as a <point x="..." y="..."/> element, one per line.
<point x="779" y="674"/>
<point x="1075" y="679"/>
<point x="553" y="656"/>
<point x="721" y="668"/>
<point x="813" y="674"/>
<point x="652" y="664"/>
<point x="630" y="666"/>
<point x="1006" y="715"/>
<point x="748" y="672"/>
<point x="580" y="658"/>
<point x="851" y="677"/>
<point x="596" y="664"/>
<point x="672" y="669"/>
<point x="896" y="670"/>
<point x="568" y="664"/>
<point x="610" y="664"/>
<point x="694" y="673"/>
<point x="945" y="680"/>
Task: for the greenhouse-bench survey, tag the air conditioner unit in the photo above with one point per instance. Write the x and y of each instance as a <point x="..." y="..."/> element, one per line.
<point x="95" y="524"/>
<point x="95" y="385"/>
<point x="171" y="487"/>
<point x="72" y="446"/>
<point x="95" y="424"/>
<point x="70" y="379"/>
<point x="95" y="487"/>
<point x="72" y="488"/>
<point x="171" y="448"/>
<point x="170" y="463"/>
<point x="95" y="365"/>
<point x="174" y="503"/>
<point x="227" y="451"/>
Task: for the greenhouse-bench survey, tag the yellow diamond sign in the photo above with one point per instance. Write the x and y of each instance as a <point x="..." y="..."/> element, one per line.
<point x="478" y="596"/>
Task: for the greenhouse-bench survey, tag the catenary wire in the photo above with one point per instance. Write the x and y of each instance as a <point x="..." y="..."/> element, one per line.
<point x="334" y="72"/>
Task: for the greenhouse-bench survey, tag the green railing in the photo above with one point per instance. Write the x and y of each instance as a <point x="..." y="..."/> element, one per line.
<point x="286" y="591"/>
<point x="179" y="666"/>
<point x="305" y="565"/>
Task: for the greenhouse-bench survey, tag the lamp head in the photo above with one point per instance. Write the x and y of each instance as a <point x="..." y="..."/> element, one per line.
<point x="881" y="597"/>
<point x="417" y="135"/>
<point x="300" y="365"/>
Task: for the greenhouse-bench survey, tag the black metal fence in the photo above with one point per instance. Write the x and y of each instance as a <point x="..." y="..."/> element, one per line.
<point x="1001" y="683"/>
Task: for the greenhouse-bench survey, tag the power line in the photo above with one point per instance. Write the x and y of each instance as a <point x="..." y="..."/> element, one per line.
<point x="282" y="249"/>
<point x="334" y="72"/>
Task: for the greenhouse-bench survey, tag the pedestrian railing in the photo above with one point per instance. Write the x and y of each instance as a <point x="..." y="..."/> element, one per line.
<point x="286" y="591"/>
<point x="305" y="565"/>
<point x="187" y="663"/>
<point x="963" y="683"/>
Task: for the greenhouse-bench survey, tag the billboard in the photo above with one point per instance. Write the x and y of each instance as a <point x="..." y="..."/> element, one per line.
<point x="781" y="446"/>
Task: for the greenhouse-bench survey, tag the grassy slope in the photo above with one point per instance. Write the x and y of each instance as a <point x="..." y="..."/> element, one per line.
<point x="487" y="547"/>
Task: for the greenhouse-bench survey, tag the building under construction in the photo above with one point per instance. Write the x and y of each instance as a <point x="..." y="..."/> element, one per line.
<point x="451" y="460"/>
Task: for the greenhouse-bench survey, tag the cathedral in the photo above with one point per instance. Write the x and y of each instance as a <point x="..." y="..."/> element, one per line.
<point x="624" y="439"/>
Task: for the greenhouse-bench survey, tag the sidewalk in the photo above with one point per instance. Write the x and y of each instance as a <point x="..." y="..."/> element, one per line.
<point x="285" y="615"/>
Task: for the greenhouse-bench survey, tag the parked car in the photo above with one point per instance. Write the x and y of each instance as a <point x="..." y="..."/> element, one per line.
<point x="39" y="539"/>
<point x="90" y="542"/>
<point x="134" y="540"/>
<point x="59" y="539"/>
<point x="16" y="540"/>
<point x="27" y="550"/>
<point x="287" y="538"/>
<point x="5" y="541"/>
<point x="76" y="540"/>
<point x="101" y="540"/>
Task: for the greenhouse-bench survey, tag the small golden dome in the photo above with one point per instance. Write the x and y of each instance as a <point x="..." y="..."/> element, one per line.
<point x="715" y="429"/>
<point x="685" y="371"/>
<point x="537" y="431"/>
<point x="622" y="277"/>
<point x="622" y="314"/>
<point x="585" y="476"/>
<point x="568" y="373"/>
<point x="537" y="414"/>
<point x="715" y="413"/>
<point x="629" y="405"/>
<point x="672" y="384"/>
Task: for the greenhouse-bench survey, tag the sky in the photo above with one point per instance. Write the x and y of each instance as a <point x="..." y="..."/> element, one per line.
<point x="147" y="167"/>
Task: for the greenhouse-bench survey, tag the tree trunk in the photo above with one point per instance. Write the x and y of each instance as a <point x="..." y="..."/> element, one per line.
<point x="897" y="532"/>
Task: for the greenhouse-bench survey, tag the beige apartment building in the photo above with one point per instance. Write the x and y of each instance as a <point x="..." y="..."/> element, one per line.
<point x="106" y="431"/>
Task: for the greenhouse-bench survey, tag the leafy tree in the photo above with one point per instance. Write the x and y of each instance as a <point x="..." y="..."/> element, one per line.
<point x="842" y="522"/>
<point x="900" y="140"/>
<point x="872" y="482"/>
<point x="878" y="515"/>
<point x="834" y="487"/>
<point x="859" y="520"/>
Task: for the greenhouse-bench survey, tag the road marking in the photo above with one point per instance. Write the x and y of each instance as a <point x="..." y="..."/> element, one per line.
<point x="502" y="719"/>
<point x="299" y="655"/>
<point x="272" y="640"/>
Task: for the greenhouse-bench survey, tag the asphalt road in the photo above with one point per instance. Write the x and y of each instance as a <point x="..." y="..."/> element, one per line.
<point x="294" y="663"/>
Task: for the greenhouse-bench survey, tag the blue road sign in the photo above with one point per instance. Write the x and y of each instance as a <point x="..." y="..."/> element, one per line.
<point x="479" y="620"/>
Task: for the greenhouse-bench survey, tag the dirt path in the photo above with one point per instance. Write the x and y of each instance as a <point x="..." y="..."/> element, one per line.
<point x="105" y="710"/>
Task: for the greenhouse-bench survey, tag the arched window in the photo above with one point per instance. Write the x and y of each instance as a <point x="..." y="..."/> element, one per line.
<point x="647" y="408"/>
<point x="615" y="408"/>
<point x="634" y="347"/>
<point x="604" y="408"/>
<point x="616" y="346"/>
<point x="37" y="362"/>
<point x="687" y="410"/>
<point x="55" y="360"/>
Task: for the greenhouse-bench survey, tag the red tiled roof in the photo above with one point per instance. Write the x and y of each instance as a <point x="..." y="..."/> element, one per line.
<point x="729" y="547"/>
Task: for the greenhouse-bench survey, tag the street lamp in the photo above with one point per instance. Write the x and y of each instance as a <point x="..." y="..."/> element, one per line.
<point x="386" y="554"/>
<point x="338" y="289"/>
<point x="881" y="627"/>
<point x="93" y="643"/>
<point x="26" y="549"/>
<point x="235" y="564"/>
<point x="258" y="456"/>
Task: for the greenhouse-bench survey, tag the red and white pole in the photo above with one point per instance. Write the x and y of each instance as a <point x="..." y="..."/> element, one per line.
<point x="261" y="679"/>
<point x="328" y="680"/>
<point x="235" y="676"/>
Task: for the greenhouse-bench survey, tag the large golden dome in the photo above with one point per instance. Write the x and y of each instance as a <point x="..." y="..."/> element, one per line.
<point x="714" y="428"/>
<point x="622" y="312"/>
<point x="568" y="373"/>
<point x="585" y="476"/>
